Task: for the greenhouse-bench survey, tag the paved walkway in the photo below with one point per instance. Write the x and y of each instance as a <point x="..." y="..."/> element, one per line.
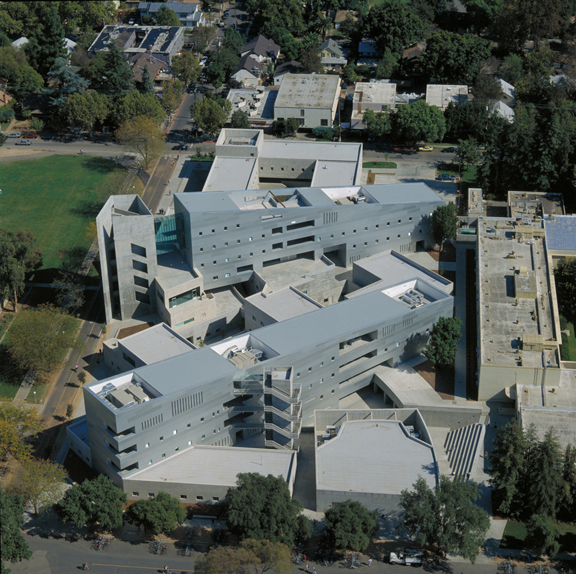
<point x="460" y="311"/>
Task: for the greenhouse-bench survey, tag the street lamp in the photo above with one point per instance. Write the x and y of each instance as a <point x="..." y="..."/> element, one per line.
<point x="34" y="396"/>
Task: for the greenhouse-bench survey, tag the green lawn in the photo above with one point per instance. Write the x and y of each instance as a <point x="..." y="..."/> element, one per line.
<point x="515" y="534"/>
<point x="380" y="164"/>
<point x="5" y="320"/>
<point x="53" y="198"/>
<point x="571" y="344"/>
<point x="468" y="174"/>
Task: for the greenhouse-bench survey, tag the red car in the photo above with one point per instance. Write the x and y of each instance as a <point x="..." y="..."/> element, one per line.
<point x="30" y="135"/>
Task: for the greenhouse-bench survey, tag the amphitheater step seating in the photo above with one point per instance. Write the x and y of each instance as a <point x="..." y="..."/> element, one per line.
<point x="463" y="447"/>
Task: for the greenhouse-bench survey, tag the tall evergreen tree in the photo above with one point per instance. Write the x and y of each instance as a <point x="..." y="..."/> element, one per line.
<point x="506" y="464"/>
<point x="544" y="476"/>
<point x="63" y="81"/>
<point x="568" y="503"/>
<point x="43" y="49"/>
<point x="119" y="78"/>
<point x="146" y="85"/>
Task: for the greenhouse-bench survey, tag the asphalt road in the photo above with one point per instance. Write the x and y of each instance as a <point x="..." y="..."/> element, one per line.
<point x="157" y="184"/>
<point x="52" y="556"/>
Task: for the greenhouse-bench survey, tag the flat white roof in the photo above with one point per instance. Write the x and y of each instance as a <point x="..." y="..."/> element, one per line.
<point x="383" y="92"/>
<point x="284" y="304"/>
<point x="219" y="465"/>
<point x="388" y="461"/>
<point x="308" y="91"/>
<point x="440" y="95"/>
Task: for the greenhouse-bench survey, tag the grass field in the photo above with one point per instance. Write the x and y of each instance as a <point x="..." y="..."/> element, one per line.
<point x="468" y="174"/>
<point x="53" y="198"/>
<point x="515" y="534"/>
<point x="571" y="344"/>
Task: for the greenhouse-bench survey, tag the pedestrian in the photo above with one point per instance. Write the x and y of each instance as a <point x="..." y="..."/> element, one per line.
<point x="307" y="568"/>
<point x="369" y="561"/>
<point x="485" y="454"/>
<point x="76" y="368"/>
<point x="314" y="571"/>
<point x="305" y="557"/>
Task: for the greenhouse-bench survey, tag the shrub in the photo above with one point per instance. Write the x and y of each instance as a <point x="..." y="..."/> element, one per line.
<point x="6" y="114"/>
<point x="564" y="355"/>
<point x="563" y="323"/>
<point x="37" y="124"/>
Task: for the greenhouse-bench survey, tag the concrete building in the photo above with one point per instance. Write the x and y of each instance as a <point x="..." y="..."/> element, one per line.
<point x="291" y="67"/>
<point x="396" y="450"/>
<point x="257" y="104"/>
<point x="267" y="381"/>
<point x="534" y="204"/>
<point x="245" y="160"/>
<point x="162" y="42"/>
<point x="377" y="96"/>
<point x="170" y="264"/>
<point x="310" y="98"/>
<point x="189" y="14"/>
<point x="441" y="95"/>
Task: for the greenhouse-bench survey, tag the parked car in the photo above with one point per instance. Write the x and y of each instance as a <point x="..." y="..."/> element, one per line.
<point x="425" y="148"/>
<point x="30" y="135"/>
<point x="446" y="177"/>
<point x="180" y="147"/>
<point x="48" y="137"/>
<point x="23" y="142"/>
<point x="14" y="135"/>
<point x="449" y="150"/>
<point x="131" y="22"/>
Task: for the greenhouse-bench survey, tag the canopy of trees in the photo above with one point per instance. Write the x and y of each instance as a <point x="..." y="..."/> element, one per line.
<point x="419" y="121"/>
<point x="186" y="66"/>
<point x="167" y="17"/>
<point x="87" y="110"/>
<point x="18" y="257"/>
<point x="40" y="339"/>
<point x="443" y="341"/>
<point x="446" y="517"/>
<point x="18" y="425"/>
<point x="159" y="514"/>
<point x="350" y="525"/>
<point x="210" y="115"/>
<point x="261" y="507"/>
<point x="21" y="77"/>
<point x="565" y="276"/>
<point x="142" y="136"/>
<point x="14" y="547"/>
<point x="94" y="502"/>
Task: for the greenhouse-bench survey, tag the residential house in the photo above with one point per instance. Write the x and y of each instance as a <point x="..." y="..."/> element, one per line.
<point x="155" y="67"/>
<point x="411" y="57"/>
<point x="368" y="54"/>
<point x="291" y="67"/>
<point x="249" y="71"/>
<point x="503" y="110"/>
<point x="331" y="55"/>
<point x="189" y="14"/>
<point x="261" y="49"/>
<point x="508" y="93"/>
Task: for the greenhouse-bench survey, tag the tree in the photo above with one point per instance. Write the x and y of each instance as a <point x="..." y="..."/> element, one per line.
<point x="378" y="124"/>
<point x="142" y="136"/>
<point x="311" y="61"/>
<point x="223" y="560"/>
<point x="506" y="465"/>
<point x="568" y="508"/>
<point x="63" y="80"/>
<point x="234" y="40"/>
<point x="511" y="69"/>
<point x="70" y="292"/>
<point x="40" y="340"/>
<point x="215" y="74"/>
<point x="18" y="425"/>
<point x="94" y="502"/>
<point x="446" y="517"/>
<point x="565" y="277"/>
<point x="260" y="507"/>
<point x="542" y="535"/>
<point x="349" y="73"/>
<point x="40" y="482"/>
<point x="210" y="115"/>
<point x="82" y="378"/>
<point x="134" y="104"/>
<point x="419" y="121"/>
<point x="87" y="110"/>
<point x="171" y="95"/>
<point x="227" y="59"/>
<point x="481" y="12"/>
<point x="268" y="556"/>
<point x="118" y="78"/>
<point x="167" y="17"/>
<point x="21" y="77"/>
<point x="186" y="66"/>
<point x="486" y="89"/>
<point x="285" y="13"/>
<point x="285" y="128"/>
<point x="428" y="10"/>
<point x="14" y="547"/>
<point x="18" y="257"/>
<point x="69" y="411"/>
<point x="351" y="525"/>
<point x="453" y="58"/>
<point x="146" y="85"/>
<point x="443" y="341"/>
<point x="47" y="45"/>
<point x="159" y="514"/>
<point x="444" y="223"/>
<point x="467" y="152"/>
<point x="543" y="476"/>
<point x="239" y="120"/>
<point x="393" y="25"/>
<point x="388" y="65"/>
<point x="202" y="36"/>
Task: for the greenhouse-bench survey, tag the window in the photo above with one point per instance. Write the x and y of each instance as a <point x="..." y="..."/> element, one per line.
<point x="141" y="282"/>
<point x="323" y="122"/>
<point x="184" y="297"/>
<point x="321" y="381"/>
<point x="388" y="224"/>
<point x="147" y="445"/>
<point x="276" y="230"/>
<point x="177" y="449"/>
<point x="322" y="363"/>
<point x="149" y="463"/>
<point x="310" y="386"/>
<point x="215" y="498"/>
<point x="215" y="277"/>
<point x="309" y="369"/>
<point x="225" y="229"/>
<point x="135" y="494"/>
<point x="200" y="233"/>
<point x="201" y="248"/>
<point x="183" y="497"/>
<point x="297" y="375"/>
<point x="332" y="358"/>
<point x="226" y="244"/>
<point x="226" y="274"/>
<point x="250" y="239"/>
<point x="161" y="438"/>
<point x="202" y="420"/>
<point x="377" y="240"/>
<point x="409" y="219"/>
<point x="387" y="239"/>
<point x="189" y="443"/>
<point x="150" y="495"/>
<point x="244" y="268"/>
<point x="188" y="425"/>
<point x="277" y="245"/>
<point x="164" y="455"/>
<point x="365" y="229"/>
<point x="137" y="250"/>
<point x="302" y="113"/>
<point x="353" y="246"/>
<point x="139" y="266"/>
<point x="377" y="226"/>
<point x="203" y="436"/>
<point x="199" y="498"/>
<point x="213" y="246"/>
<point x="237" y="240"/>
<point x="213" y="231"/>
<point x="143" y="298"/>
<point x="226" y="260"/>
<point x="354" y="231"/>
<point x="213" y="262"/>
